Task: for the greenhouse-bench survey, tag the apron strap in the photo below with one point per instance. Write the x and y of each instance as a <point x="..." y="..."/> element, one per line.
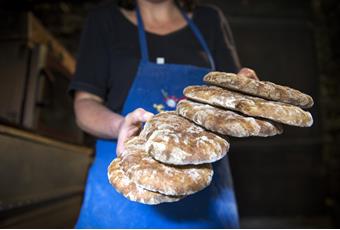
<point x="200" y="38"/>
<point x="142" y="37"/>
<point x="193" y="27"/>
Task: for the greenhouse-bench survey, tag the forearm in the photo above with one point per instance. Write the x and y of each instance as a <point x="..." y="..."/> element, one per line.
<point x="97" y="120"/>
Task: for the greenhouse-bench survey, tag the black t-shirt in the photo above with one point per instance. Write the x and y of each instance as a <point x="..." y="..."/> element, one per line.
<point x="109" y="51"/>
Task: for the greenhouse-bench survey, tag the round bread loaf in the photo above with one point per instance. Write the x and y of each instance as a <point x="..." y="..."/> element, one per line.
<point x="226" y="122"/>
<point x="131" y="191"/>
<point x="172" y="139"/>
<point x="264" y="89"/>
<point x="252" y="106"/>
<point x="154" y="176"/>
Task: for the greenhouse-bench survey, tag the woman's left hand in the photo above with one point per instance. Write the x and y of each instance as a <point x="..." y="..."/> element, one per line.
<point x="246" y="72"/>
<point x="131" y="126"/>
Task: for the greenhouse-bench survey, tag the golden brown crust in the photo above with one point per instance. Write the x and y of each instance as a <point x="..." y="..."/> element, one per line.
<point x="154" y="176"/>
<point x="264" y="89"/>
<point x="172" y="139"/>
<point x="226" y="122"/>
<point x="251" y="106"/>
<point x="131" y="190"/>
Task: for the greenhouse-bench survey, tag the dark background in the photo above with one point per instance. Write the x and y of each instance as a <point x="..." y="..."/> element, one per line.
<point x="289" y="181"/>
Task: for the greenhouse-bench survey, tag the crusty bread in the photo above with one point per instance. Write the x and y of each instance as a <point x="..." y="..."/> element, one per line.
<point x="226" y="122"/>
<point x="172" y="139"/>
<point x="264" y="89"/>
<point x="154" y="176"/>
<point x="133" y="192"/>
<point x="252" y="106"/>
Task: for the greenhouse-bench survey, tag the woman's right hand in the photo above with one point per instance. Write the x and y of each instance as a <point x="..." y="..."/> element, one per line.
<point x="130" y="126"/>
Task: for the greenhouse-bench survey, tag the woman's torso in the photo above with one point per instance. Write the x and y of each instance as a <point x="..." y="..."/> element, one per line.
<point x="120" y="37"/>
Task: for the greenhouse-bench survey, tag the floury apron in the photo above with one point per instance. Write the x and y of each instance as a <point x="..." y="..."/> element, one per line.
<point x="158" y="87"/>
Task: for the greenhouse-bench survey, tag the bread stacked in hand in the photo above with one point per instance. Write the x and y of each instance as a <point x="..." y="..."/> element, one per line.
<point x="239" y="106"/>
<point x="171" y="158"/>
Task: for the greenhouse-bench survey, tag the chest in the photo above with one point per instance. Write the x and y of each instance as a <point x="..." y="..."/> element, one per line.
<point x="180" y="47"/>
<point x="161" y="25"/>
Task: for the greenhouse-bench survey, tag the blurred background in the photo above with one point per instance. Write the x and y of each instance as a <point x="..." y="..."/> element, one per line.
<point x="288" y="181"/>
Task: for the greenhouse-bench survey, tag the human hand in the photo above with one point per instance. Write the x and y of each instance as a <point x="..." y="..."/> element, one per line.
<point x="131" y="126"/>
<point x="246" y="72"/>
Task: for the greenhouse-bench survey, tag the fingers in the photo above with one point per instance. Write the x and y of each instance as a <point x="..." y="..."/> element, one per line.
<point x="246" y="72"/>
<point x="137" y="116"/>
<point x="131" y="127"/>
<point x="124" y="135"/>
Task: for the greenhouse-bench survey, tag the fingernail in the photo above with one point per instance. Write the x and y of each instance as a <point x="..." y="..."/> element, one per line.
<point x="147" y="115"/>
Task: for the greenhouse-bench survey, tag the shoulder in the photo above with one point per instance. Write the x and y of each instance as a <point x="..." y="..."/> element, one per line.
<point x="209" y="13"/>
<point x="103" y="13"/>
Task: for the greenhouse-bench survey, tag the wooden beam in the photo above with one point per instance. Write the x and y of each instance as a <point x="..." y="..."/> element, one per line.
<point x="37" y="33"/>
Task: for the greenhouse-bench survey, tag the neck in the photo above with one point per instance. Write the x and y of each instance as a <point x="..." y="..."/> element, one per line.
<point x="157" y="10"/>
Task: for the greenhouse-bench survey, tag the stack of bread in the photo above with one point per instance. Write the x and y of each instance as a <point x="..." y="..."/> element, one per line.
<point x="171" y="158"/>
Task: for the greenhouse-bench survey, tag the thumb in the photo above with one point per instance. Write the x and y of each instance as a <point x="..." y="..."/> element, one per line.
<point x="249" y="73"/>
<point x="147" y="116"/>
<point x="138" y="116"/>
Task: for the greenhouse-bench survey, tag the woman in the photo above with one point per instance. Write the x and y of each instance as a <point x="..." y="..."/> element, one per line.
<point x="135" y="60"/>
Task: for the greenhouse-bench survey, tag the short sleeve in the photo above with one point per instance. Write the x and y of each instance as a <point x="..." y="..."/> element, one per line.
<point x="224" y="51"/>
<point x="92" y="71"/>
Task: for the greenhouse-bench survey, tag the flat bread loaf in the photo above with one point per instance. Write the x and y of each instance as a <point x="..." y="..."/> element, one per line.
<point x="226" y="122"/>
<point x="252" y="106"/>
<point x="154" y="176"/>
<point x="264" y="89"/>
<point x="131" y="191"/>
<point x="172" y="139"/>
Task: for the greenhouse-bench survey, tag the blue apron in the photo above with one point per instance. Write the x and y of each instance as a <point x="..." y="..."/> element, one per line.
<point x="158" y="87"/>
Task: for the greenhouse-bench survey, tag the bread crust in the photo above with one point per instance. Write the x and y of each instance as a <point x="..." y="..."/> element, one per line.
<point x="226" y="122"/>
<point x="172" y="139"/>
<point x="263" y="89"/>
<point x="154" y="176"/>
<point x="120" y="181"/>
<point x="249" y="105"/>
